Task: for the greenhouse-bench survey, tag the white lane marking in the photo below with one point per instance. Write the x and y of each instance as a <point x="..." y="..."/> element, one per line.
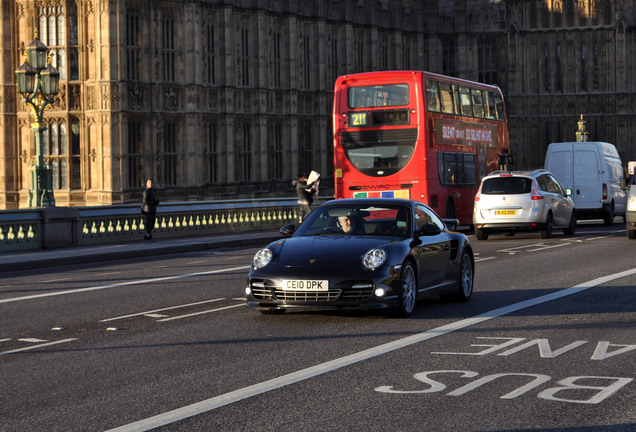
<point x="32" y="340"/>
<point x="548" y="247"/>
<point x="38" y="346"/>
<point x="200" y="313"/>
<point x="137" y="282"/>
<point x="160" y="310"/>
<point x="330" y="366"/>
<point x="478" y="259"/>
<point x="4" y="340"/>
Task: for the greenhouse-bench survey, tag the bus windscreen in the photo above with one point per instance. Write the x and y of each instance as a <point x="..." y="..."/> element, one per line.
<point x="378" y="96"/>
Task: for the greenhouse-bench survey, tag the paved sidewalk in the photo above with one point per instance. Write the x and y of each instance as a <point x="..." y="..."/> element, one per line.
<point x="12" y="261"/>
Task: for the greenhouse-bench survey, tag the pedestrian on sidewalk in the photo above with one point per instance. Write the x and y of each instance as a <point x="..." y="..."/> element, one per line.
<point x="305" y="192"/>
<point x="149" y="205"/>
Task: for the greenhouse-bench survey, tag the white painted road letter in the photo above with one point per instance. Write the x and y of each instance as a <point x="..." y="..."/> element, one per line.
<point x="569" y="384"/>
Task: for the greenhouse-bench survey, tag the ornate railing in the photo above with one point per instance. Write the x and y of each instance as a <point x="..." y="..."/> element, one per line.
<point x="61" y="227"/>
<point x="20" y="230"/>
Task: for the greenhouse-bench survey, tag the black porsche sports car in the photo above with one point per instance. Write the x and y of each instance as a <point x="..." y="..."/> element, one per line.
<point x="362" y="253"/>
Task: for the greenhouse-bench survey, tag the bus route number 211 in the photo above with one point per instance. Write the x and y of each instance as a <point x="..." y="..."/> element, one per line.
<point x="359" y="119"/>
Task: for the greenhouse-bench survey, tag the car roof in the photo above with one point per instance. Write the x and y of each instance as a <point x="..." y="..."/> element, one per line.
<point x="368" y="201"/>
<point x="527" y="173"/>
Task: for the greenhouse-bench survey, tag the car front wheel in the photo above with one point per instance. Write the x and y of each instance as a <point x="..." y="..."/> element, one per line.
<point x="408" y="291"/>
<point x="571" y="229"/>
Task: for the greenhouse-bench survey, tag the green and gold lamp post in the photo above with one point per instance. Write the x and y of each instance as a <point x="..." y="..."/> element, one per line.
<point x="38" y="81"/>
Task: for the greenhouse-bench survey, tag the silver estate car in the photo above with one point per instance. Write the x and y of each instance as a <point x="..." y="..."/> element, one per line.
<point x="513" y="201"/>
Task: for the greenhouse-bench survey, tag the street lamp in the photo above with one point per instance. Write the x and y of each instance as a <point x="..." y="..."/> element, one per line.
<point x="38" y="81"/>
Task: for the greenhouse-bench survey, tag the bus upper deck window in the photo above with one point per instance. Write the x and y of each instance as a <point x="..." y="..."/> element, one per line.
<point x="463" y="96"/>
<point x="491" y="111"/>
<point x="432" y="96"/>
<point x="478" y="104"/>
<point x="447" y="99"/>
<point x="500" y="107"/>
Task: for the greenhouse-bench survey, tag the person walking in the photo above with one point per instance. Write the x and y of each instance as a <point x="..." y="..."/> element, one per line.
<point x="149" y="205"/>
<point x="305" y="195"/>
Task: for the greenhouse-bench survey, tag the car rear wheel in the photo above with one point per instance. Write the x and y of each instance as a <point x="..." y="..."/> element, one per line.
<point x="571" y="229"/>
<point x="466" y="277"/>
<point x="481" y="234"/>
<point x="547" y="232"/>
<point x="408" y="291"/>
<point x="608" y="217"/>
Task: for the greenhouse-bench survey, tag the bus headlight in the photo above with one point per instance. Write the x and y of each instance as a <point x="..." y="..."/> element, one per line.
<point x="374" y="259"/>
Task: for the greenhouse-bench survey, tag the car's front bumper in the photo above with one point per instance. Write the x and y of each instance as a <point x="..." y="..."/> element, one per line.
<point x="365" y="291"/>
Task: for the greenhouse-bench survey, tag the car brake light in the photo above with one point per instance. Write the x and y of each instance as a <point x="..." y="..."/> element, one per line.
<point x="604" y="191"/>
<point x="535" y="192"/>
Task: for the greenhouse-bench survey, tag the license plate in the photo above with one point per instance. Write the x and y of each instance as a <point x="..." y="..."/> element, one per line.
<point x="505" y="212"/>
<point x="305" y="285"/>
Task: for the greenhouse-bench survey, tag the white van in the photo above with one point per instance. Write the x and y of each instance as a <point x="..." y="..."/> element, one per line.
<point x="593" y="171"/>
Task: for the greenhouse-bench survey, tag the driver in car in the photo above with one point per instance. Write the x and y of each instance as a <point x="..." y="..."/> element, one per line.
<point x="347" y="224"/>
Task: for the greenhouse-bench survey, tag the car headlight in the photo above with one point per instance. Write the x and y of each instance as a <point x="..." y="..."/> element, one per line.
<point x="262" y="258"/>
<point x="374" y="259"/>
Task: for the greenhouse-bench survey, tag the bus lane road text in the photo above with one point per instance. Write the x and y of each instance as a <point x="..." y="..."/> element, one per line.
<point x="575" y="389"/>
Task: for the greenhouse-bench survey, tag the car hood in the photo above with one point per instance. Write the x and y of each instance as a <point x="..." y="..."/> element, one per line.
<point x="327" y="250"/>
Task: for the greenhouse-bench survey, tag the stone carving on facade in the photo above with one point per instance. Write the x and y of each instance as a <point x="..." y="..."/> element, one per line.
<point x="135" y="97"/>
<point x="90" y="98"/>
<point x="279" y="102"/>
<point x="247" y="97"/>
<point x="406" y="6"/>
<point x="19" y="10"/>
<point x="60" y="98"/>
<point x="76" y="97"/>
<point x="193" y="100"/>
<point x="213" y="98"/>
<point x="170" y="98"/>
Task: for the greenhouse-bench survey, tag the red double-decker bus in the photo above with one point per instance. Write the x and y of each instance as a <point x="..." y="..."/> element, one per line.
<point x="418" y="135"/>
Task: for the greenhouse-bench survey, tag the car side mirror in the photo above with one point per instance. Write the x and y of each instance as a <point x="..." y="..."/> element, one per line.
<point x="428" y="230"/>
<point x="451" y="224"/>
<point x="287" y="230"/>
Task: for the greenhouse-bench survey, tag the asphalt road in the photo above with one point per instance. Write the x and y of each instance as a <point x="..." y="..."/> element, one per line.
<point x="546" y="343"/>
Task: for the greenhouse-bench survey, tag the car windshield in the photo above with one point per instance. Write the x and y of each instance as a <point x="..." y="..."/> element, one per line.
<point x="362" y="220"/>
<point x="506" y="185"/>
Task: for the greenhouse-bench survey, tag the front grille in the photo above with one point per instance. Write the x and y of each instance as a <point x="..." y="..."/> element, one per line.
<point x="307" y="296"/>
<point x="358" y="292"/>
<point x="372" y="138"/>
<point x="351" y="291"/>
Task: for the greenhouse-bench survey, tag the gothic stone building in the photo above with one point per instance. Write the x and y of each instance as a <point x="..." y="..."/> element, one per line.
<point x="226" y="99"/>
